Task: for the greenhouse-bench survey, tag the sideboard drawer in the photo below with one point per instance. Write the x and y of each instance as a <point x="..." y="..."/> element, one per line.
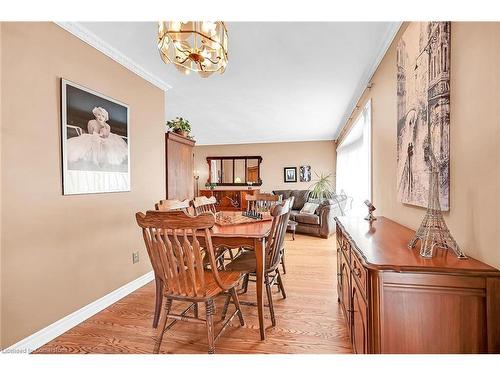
<point x="339" y="236"/>
<point x="346" y="249"/>
<point x="359" y="272"/>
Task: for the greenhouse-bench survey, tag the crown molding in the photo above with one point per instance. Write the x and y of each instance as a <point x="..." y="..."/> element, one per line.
<point x="367" y="76"/>
<point x="253" y="142"/>
<point x="93" y="40"/>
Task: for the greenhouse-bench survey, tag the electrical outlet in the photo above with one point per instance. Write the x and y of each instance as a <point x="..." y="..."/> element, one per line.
<point x="135" y="257"/>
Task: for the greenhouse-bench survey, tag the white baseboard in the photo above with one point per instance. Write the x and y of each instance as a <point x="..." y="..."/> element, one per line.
<point x="49" y="333"/>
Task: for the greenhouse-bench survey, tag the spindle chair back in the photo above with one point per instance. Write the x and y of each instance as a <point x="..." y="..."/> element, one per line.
<point x="261" y="201"/>
<point x="172" y="205"/>
<point x="204" y="204"/>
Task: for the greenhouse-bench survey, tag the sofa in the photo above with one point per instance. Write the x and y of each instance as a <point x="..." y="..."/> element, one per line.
<point x="321" y="223"/>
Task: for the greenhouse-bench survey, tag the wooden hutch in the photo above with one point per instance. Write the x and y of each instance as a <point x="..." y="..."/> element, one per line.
<point x="179" y="161"/>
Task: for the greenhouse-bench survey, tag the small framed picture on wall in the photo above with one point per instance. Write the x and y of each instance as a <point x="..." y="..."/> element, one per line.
<point x="290" y="174"/>
<point x="305" y="173"/>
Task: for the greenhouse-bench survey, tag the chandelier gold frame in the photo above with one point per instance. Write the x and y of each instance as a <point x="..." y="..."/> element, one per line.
<point x="194" y="46"/>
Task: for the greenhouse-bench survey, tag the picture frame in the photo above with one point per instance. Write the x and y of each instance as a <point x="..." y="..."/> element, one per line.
<point x="423" y="108"/>
<point x="290" y="174"/>
<point x="95" y="141"/>
<point x="305" y="173"/>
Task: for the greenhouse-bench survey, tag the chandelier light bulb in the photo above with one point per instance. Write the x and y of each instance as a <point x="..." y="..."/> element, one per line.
<point x="176" y="26"/>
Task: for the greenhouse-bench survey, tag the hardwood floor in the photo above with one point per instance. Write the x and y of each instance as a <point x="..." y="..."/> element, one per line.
<point x="309" y="320"/>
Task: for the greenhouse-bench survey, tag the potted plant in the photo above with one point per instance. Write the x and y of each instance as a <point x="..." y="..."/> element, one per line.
<point x="211" y="185"/>
<point x="179" y="126"/>
<point x="322" y="188"/>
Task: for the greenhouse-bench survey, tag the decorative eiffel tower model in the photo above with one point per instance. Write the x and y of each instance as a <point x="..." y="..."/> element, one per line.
<point x="433" y="231"/>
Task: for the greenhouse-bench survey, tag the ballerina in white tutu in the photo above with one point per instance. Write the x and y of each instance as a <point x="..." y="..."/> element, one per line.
<point x="99" y="147"/>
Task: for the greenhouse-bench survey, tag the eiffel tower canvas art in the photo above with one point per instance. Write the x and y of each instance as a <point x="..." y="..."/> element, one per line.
<point x="423" y="101"/>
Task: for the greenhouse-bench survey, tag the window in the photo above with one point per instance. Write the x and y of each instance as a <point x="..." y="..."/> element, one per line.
<point x="354" y="163"/>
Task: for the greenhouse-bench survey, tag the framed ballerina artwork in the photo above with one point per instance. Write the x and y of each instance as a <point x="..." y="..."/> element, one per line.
<point x="95" y="141"/>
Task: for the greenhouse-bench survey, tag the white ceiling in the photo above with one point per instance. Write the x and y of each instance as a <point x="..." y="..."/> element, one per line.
<point x="285" y="81"/>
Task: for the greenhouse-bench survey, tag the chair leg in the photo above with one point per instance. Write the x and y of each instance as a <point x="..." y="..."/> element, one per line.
<point x="226" y="305"/>
<point x="237" y="304"/>
<point x="270" y="300"/>
<point x="245" y="282"/>
<point x="280" y="283"/>
<point x="283" y="261"/>
<point x="277" y="287"/>
<point x="209" y="307"/>
<point x="222" y="266"/>
<point x="158" y="301"/>
<point x="160" y="330"/>
<point x="196" y="314"/>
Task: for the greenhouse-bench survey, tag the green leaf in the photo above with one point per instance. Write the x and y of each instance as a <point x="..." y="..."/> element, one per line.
<point x="322" y="187"/>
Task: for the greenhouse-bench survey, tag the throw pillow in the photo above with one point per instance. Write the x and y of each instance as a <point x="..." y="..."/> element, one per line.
<point x="301" y="197"/>
<point x="309" y="208"/>
<point x="315" y="200"/>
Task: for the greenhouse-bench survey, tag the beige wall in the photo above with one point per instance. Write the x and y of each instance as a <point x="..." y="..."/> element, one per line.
<point x="1" y="273"/>
<point x="475" y="140"/>
<point x="60" y="253"/>
<point x="320" y="155"/>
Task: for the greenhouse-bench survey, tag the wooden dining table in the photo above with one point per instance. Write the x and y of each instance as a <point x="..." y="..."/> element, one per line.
<point x="247" y="235"/>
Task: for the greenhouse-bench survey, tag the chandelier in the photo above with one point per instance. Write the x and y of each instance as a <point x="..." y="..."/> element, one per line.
<point x="198" y="46"/>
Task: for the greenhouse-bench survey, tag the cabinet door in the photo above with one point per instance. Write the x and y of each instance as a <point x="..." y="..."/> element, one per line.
<point x="229" y="200"/>
<point x="359" y="327"/>
<point x="339" y="275"/>
<point x="343" y="287"/>
<point x="180" y="164"/>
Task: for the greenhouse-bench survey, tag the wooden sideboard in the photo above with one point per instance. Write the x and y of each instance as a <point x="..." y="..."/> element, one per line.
<point x="230" y="199"/>
<point x="179" y="162"/>
<point x="395" y="301"/>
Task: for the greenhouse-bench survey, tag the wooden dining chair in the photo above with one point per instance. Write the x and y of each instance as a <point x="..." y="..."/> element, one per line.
<point x="264" y="202"/>
<point x="261" y="201"/>
<point x="165" y="205"/>
<point x="246" y="263"/>
<point x="172" y="240"/>
<point x="172" y="205"/>
<point x="291" y="200"/>
<point x="204" y="204"/>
